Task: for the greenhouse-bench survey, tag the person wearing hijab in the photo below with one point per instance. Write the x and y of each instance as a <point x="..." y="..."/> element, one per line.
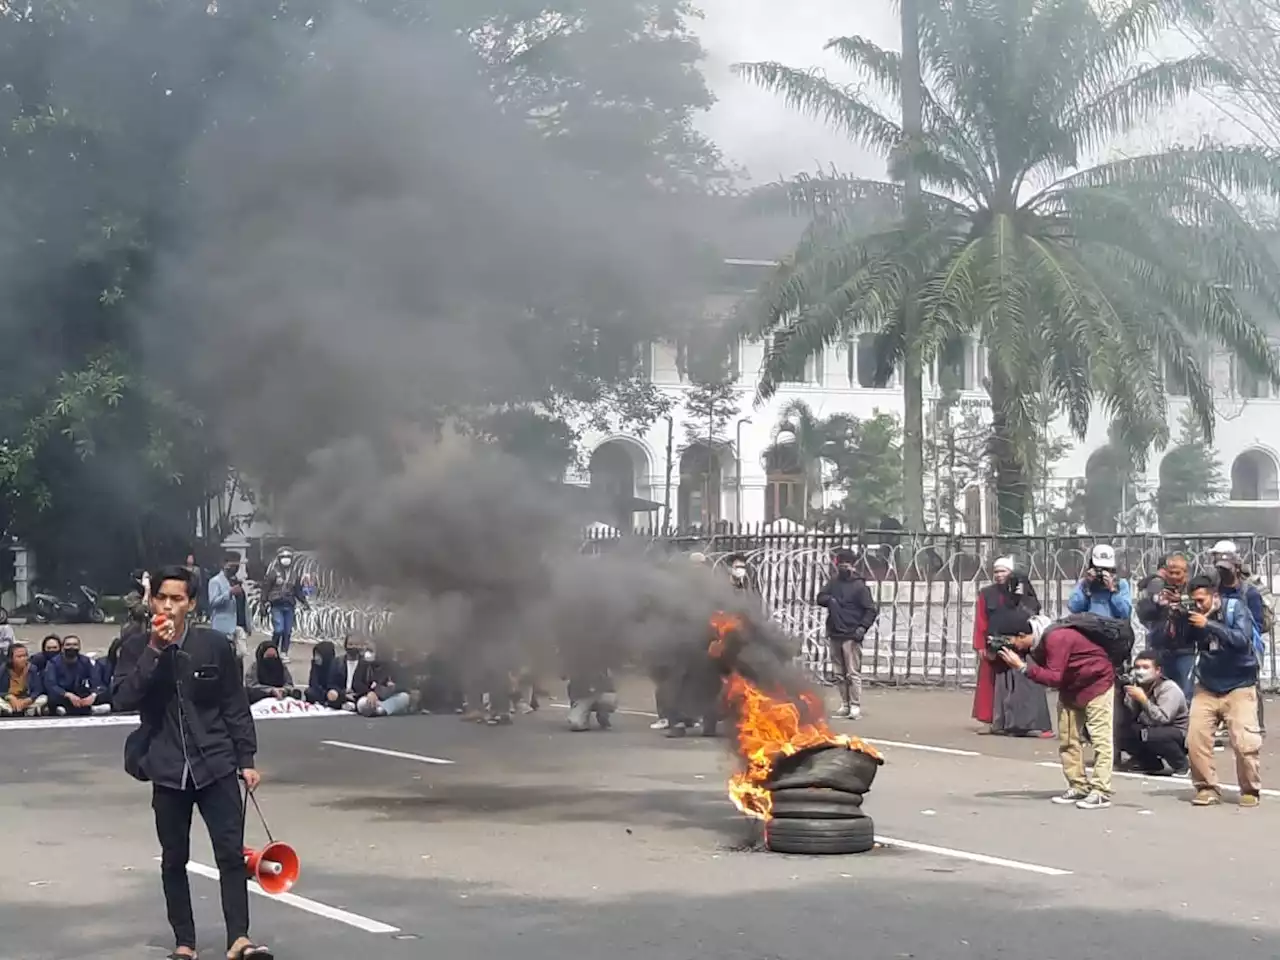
<point x="1006" y="700"/>
<point x="326" y="680"/>
<point x="269" y="675"/>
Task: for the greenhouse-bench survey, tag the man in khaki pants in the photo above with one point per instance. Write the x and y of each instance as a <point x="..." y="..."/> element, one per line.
<point x="1226" y="691"/>
<point x="1065" y="659"/>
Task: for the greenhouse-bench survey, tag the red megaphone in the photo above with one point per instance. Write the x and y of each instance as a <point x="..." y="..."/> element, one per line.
<point x="275" y="867"/>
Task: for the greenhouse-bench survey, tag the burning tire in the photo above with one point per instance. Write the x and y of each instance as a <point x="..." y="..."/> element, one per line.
<point x="846" y="771"/>
<point x="820" y="836"/>
<point x="809" y="803"/>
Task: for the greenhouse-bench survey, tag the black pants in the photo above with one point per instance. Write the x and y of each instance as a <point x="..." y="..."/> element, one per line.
<point x="223" y="814"/>
<point x="1149" y="745"/>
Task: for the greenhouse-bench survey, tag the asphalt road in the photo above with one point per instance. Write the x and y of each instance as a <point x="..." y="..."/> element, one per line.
<point x="541" y="844"/>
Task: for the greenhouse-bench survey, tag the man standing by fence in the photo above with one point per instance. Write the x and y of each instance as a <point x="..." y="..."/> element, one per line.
<point x="851" y="611"/>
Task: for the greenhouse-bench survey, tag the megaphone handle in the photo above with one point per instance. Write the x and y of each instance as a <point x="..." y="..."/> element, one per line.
<point x="244" y="813"/>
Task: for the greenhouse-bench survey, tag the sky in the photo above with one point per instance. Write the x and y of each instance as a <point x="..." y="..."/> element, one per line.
<point x="756" y="130"/>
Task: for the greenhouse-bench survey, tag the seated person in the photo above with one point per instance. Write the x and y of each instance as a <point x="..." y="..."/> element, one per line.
<point x="325" y="682"/>
<point x="70" y="680"/>
<point x="21" y="687"/>
<point x="591" y="692"/>
<point x="103" y="669"/>
<point x="269" y="676"/>
<point x="1152" y="730"/>
<point x="50" y="647"/>
<point x="379" y="685"/>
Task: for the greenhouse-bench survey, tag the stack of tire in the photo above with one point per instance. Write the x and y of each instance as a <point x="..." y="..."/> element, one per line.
<point x="817" y="802"/>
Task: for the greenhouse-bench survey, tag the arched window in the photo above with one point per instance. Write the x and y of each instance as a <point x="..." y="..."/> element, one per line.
<point x="1254" y="476"/>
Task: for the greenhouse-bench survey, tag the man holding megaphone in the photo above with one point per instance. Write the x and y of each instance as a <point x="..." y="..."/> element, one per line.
<point x="195" y="743"/>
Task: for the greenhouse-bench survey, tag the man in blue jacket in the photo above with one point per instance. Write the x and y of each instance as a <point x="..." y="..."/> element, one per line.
<point x="1102" y="591"/>
<point x="1226" y="692"/>
<point x="71" y="682"/>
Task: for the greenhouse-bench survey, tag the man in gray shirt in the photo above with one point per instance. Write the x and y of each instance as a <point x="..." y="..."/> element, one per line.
<point x="1152" y="730"/>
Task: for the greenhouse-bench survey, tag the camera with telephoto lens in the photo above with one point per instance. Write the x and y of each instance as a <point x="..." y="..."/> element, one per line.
<point x="1096" y="575"/>
<point x="1127" y="679"/>
<point x="1185" y="605"/>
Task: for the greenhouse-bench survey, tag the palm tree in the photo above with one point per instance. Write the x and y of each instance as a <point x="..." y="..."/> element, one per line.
<point x="803" y="439"/>
<point x="1086" y="283"/>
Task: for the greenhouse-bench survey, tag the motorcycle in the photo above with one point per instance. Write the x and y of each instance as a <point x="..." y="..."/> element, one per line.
<point x="47" y="608"/>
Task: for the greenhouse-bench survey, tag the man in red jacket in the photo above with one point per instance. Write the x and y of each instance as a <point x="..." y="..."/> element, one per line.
<point x="1065" y="659"/>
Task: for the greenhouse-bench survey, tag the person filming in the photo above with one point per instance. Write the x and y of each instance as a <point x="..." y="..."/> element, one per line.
<point x="194" y="743"/>
<point x="1153" y="728"/>
<point x="1102" y="591"/>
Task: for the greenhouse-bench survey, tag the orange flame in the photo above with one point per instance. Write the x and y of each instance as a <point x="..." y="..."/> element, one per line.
<point x="769" y="728"/>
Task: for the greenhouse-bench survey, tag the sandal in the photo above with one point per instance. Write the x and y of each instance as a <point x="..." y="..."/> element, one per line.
<point x="182" y="956"/>
<point x="252" y="950"/>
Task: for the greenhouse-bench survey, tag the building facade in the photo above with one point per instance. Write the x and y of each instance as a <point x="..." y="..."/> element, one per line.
<point x="692" y="482"/>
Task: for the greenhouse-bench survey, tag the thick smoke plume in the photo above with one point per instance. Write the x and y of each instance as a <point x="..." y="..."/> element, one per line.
<point x="368" y="246"/>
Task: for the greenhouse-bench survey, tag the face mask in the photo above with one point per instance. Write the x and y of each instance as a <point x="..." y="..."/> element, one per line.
<point x="353" y="653"/>
<point x="1144" y="676"/>
<point x="1227" y="577"/>
<point x="846" y="573"/>
<point x="286" y="561"/>
<point x="70" y="653"/>
<point x="739" y="573"/>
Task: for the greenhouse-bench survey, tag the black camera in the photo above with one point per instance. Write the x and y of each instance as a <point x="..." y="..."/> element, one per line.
<point x="996" y="644"/>
<point x="1127" y="679"/>
<point x="1185" y="605"/>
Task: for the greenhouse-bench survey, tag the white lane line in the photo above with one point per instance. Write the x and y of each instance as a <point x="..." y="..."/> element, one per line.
<point x="974" y="857"/>
<point x="386" y="753"/>
<point x="303" y="903"/>
<point x="902" y="744"/>
<point x="1161" y="781"/>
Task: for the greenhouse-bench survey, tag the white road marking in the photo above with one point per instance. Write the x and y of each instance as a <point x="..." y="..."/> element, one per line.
<point x="131" y="720"/>
<point x="303" y="903"/>
<point x="974" y="857"/>
<point x="928" y="748"/>
<point x="1162" y="781"/>
<point x="386" y="753"/>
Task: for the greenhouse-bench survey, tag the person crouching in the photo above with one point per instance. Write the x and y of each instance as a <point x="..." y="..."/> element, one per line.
<point x="592" y="692"/>
<point x="379" y="686"/>
<point x="1153" y="728"/>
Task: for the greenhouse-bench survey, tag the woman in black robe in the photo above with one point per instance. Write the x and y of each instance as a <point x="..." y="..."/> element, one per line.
<point x="1019" y="707"/>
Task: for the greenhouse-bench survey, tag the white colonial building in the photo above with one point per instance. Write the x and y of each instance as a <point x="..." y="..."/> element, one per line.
<point x="663" y="466"/>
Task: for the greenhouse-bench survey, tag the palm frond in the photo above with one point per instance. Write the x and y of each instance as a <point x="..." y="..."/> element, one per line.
<point x="809" y="92"/>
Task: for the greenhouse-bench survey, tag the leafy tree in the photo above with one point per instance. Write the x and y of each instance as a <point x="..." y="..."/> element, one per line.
<point x="869" y="471"/>
<point x="1191" y="478"/>
<point x="803" y="440"/>
<point x="100" y="105"/>
<point x="1086" y="284"/>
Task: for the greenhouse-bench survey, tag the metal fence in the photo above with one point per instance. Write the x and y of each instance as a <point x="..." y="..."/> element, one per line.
<point x="927" y="586"/>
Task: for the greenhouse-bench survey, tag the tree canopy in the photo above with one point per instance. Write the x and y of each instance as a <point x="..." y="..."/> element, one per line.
<point x="141" y="139"/>
<point x="1088" y="282"/>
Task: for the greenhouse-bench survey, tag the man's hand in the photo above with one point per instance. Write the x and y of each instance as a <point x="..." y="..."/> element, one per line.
<point x="237" y="589"/>
<point x="1109" y="580"/>
<point x="1198" y="620"/>
<point x="163" y="631"/>
<point x="1137" y="695"/>
<point x="332" y="696"/>
<point x="278" y="693"/>
<point x="1166" y="598"/>
<point x="1011" y="658"/>
<point x="251" y="778"/>
<point x="89" y="701"/>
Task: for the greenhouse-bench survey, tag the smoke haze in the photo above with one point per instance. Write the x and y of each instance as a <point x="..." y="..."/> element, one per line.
<point x="370" y="247"/>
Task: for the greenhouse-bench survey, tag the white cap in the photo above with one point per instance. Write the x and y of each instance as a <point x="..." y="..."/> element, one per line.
<point x="1039" y="624"/>
<point x="1003" y="563"/>
<point x="1223" y="548"/>
<point x="1103" y="557"/>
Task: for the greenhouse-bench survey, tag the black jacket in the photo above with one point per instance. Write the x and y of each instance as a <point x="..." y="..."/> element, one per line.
<point x="193" y="708"/>
<point x="1168" y="631"/>
<point x="851" y="609"/>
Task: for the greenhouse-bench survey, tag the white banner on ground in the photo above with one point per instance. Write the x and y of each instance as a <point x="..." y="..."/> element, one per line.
<point x="263" y="710"/>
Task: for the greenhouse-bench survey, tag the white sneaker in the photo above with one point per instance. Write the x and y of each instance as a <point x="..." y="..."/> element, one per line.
<point x="855" y="712"/>
<point x="1094" y="801"/>
<point x="660" y="724"/>
<point x="1072" y="795"/>
<point x="843" y="712"/>
<point x="284" y="658"/>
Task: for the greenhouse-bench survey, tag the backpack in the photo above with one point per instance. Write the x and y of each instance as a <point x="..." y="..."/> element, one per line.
<point x="1229" y="618"/>
<point x="1113" y="635"/>
<point x="1268" y="603"/>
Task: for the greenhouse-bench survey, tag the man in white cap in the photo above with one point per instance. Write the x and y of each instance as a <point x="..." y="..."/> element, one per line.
<point x="1003" y="699"/>
<point x="1101" y="590"/>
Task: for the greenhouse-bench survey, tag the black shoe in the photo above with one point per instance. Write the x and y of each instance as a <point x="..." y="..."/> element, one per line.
<point x="676" y="731"/>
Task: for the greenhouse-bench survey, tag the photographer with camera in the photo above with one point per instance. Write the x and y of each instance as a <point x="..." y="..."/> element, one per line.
<point x="1162" y="608"/>
<point x="1102" y="591"/>
<point x="1004" y="699"/>
<point x="1153" y="728"/>
<point x="1064" y="658"/>
<point x="1226" y="691"/>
